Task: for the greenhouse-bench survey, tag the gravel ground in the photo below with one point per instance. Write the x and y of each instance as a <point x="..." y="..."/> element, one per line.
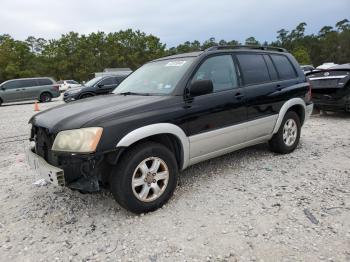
<point x="251" y="205"/>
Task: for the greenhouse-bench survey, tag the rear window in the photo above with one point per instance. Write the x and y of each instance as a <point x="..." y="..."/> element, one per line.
<point x="254" y="69"/>
<point x="284" y="67"/>
<point x="72" y="82"/>
<point x="44" y="81"/>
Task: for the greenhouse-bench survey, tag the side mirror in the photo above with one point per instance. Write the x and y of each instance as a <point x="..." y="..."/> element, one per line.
<point x="100" y="85"/>
<point x="3" y="88"/>
<point x="201" y="87"/>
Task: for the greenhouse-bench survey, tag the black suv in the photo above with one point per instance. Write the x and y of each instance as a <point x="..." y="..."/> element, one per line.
<point x="100" y="85"/>
<point x="171" y="113"/>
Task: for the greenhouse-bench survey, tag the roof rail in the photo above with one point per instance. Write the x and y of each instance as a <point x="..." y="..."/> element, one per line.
<point x="259" y="47"/>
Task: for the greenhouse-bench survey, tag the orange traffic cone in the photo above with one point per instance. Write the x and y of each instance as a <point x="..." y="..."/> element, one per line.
<point x="36" y="107"/>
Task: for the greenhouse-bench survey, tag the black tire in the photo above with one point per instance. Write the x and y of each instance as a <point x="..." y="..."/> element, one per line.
<point x="277" y="143"/>
<point x="86" y="96"/>
<point x="121" y="177"/>
<point x="0" y="101"/>
<point x="45" y="97"/>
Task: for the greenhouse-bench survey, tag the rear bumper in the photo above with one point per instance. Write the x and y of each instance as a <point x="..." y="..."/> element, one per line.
<point x="50" y="173"/>
<point x="333" y="105"/>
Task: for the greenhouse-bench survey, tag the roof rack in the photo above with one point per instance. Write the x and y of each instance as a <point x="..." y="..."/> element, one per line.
<point x="259" y="47"/>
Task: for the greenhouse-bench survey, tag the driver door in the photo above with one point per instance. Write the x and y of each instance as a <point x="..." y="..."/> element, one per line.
<point x="106" y="85"/>
<point x="215" y="120"/>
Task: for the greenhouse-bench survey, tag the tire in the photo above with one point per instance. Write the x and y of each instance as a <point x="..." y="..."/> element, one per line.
<point x="0" y="101"/>
<point x="45" y="97"/>
<point x="86" y="96"/>
<point x="286" y="144"/>
<point x="133" y="188"/>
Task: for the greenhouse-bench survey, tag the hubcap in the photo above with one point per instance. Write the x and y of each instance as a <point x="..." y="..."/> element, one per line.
<point x="150" y="179"/>
<point x="290" y="132"/>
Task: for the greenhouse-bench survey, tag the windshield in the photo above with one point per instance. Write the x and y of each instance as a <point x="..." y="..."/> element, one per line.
<point x="93" y="81"/>
<point x="155" y="78"/>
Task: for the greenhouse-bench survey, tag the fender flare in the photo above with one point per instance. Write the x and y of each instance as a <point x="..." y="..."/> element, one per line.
<point x="284" y="109"/>
<point x="156" y="129"/>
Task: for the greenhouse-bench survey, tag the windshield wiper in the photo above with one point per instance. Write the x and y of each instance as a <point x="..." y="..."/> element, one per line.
<point x="134" y="93"/>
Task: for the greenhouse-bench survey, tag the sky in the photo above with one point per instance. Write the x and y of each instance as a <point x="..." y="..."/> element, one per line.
<point x="173" y="21"/>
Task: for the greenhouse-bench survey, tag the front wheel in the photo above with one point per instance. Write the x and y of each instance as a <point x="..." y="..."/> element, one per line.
<point x="288" y="135"/>
<point x="145" y="177"/>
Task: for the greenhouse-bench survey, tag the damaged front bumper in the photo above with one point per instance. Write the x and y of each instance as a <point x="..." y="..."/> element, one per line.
<point x="50" y="173"/>
<point x="76" y="172"/>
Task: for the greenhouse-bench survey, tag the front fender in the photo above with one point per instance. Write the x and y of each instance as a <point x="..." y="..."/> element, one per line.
<point x="156" y="129"/>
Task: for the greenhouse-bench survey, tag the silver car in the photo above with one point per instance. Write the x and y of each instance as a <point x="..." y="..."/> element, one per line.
<point x="40" y="88"/>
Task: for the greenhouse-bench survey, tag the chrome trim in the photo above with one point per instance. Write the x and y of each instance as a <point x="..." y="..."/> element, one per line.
<point x="284" y="109"/>
<point x="224" y="140"/>
<point x="327" y="77"/>
<point x="155" y="129"/>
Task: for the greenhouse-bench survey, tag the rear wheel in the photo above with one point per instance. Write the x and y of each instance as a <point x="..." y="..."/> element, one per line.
<point x="45" y="97"/>
<point x="145" y="179"/>
<point x="0" y="101"/>
<point x="288" y="135"/>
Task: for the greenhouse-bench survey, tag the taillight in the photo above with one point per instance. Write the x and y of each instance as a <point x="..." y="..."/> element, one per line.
<point x="57" y="87"/>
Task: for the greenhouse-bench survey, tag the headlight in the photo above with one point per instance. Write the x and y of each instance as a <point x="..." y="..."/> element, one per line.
<point x="83" y="140"/>
<point x="74" y="90"/>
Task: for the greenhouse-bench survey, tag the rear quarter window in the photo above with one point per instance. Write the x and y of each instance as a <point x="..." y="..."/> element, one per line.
<point x="44" y="81"/>
<point x="254" y="69"/>
<point x="284" y="67"/>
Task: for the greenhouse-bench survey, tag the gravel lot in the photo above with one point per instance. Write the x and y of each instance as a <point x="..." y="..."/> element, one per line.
<point x="251" y="205"/>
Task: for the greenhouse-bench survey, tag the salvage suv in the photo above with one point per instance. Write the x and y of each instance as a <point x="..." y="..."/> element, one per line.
<point x="169" y="114"/>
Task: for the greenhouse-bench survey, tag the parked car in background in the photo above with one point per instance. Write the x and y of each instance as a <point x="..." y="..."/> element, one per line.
<point x="101" y="85"/>
<point x="40" y="88"/>
<point x="65" y="84"/>
<point x="331" y="88"/>
<point x="325" y="66"/>
<point x="171" y="113"/>
<point x="307" y="68"/>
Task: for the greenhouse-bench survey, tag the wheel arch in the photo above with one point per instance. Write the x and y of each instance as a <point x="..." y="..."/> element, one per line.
<point x="170" y="135"/>
<point x="295" y="104"/>
<point x="87" y="93"/>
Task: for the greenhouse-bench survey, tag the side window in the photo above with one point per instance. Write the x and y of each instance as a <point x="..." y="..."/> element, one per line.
<point x="220" y="70"/>
<point x="44" y="81"/>
<point x="28" y="83"/>
<point x="11" y="85"/>
<point x="107" y="81"/>
<point x="254" y="69"/>
<point x="271" y="67"/>
<point x="284" y="67"/>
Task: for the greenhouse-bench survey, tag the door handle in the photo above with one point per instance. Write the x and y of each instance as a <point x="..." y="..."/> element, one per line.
<point x="279" y="88"/>
<point x="18" y="89"/>
<point x="239" y="95"/>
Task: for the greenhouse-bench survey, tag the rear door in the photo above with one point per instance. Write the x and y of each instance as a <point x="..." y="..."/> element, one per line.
<point x="260" y="86"/>
<point x="29" y="87"/>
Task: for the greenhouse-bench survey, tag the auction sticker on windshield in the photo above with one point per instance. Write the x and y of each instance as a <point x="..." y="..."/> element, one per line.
<point x="175" y="63"/>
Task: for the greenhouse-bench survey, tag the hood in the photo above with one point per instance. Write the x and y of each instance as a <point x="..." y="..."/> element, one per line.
<point x="75" y="114"/>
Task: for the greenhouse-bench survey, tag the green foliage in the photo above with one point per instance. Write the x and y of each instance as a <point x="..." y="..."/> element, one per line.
<point x="75" y="56"/>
